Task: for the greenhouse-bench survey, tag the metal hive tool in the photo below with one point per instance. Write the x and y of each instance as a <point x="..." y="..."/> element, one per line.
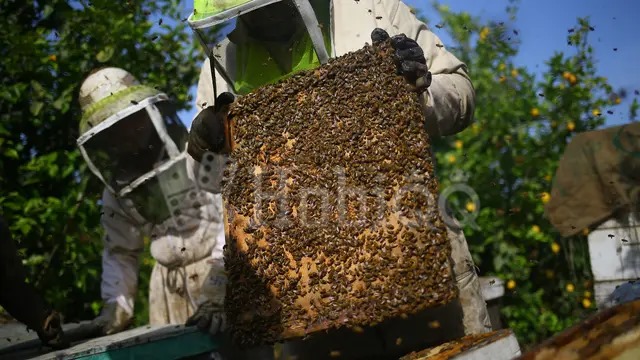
<point x="331" y="203"/>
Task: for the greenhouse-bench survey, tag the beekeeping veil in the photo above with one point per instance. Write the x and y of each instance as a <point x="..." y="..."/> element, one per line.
<point x="212" y="14"/>
<point x="129" y="133"/>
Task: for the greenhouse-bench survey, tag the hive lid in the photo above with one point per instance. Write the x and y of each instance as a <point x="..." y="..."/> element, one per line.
<point x="607" y="335"/>
<point x="497" y="345"/>
<point x="156" y="342"/>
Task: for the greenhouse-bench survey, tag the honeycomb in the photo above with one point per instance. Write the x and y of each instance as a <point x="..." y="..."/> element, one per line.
<point x="331" y="204"/>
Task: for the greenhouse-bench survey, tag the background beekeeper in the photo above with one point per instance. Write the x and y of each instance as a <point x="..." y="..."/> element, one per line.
<point x="133" y="141"/>
<point x="271" y="41"/>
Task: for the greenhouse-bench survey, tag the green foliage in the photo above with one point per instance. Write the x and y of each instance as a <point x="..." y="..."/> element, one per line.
<point x="50" y="199"/>
<point x="510" y="154"/>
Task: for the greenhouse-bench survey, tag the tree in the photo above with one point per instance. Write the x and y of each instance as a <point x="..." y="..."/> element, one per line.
<point x="512" y="151"/>
<point x="47" y="48"/>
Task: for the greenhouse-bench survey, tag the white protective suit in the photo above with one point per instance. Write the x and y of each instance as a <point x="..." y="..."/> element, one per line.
<point x="132" y="140"/>
<point x="449" y="105"/>
<point x="183" y="254"/>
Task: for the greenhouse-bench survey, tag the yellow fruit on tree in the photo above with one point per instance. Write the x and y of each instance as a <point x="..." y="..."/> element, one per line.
<point x="458" y="144"/>
<point x="514" y="73"/>
<point x="571" y="126"/>
<point x="545" y="197"/>
<point x="484" y="33"/>
<point x="471" y="207"/>
<point x="586" y="303"/>
<point x="596" y="112"/>
<point x="511" y="284"/>
<point x="535" y="229"/>
<point x="618" y="101"/>
<point x="570" y="287"/>
<point x="572" y="79"/>
<point x="451" y="159"/>
<point x="535" y="112"/>
<point x="566" y="75"/>
<point x="555" y="247"/>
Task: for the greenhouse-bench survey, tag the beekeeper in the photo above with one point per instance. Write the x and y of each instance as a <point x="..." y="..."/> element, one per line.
<point x="273" y="39"/>
<point x="132" y="139"/>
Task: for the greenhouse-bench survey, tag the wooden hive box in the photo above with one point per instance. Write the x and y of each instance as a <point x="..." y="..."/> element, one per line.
<point x="496" y="345"/>
<point x="614" y="250"/>
<point x="611" y="334"/>
<point x="161" y="342"/>
<point x="331" y="200"/>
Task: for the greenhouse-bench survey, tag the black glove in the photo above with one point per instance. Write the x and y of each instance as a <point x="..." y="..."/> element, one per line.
<point x="51" y="333"/>
<point x="409" y="58"/>
<point x="211" y="129"/>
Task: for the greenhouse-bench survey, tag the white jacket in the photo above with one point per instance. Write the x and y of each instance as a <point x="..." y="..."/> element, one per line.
<point x="450" y="101"/>
<point x="197" y="233"/>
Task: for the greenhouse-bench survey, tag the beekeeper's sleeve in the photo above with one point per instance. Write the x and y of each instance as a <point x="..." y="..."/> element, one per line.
<point x="123" y="245"/>
<point x="449" y="102"/>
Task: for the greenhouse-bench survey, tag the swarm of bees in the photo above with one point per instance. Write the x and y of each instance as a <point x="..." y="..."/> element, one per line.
<point x="332" y="204"/>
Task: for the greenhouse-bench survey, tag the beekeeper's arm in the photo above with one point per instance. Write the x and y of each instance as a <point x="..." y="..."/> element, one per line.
<point x="209" y="144"/>
<point x="123" y="245"/>
<point x="449" y="96"/>
<point x="209" y="131"/>
<point x="204" y="94"/>
<point x="20" y="299"/>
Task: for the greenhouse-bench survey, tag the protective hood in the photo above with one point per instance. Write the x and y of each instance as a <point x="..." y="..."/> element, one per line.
<point x="210" y="15"/>
<point x="133" y="145"/>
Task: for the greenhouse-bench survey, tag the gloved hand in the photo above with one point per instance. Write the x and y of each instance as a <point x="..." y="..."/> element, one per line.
<point x="409" y="58"/>
<point x="51" y="333"/>
<point x="210" y="316"/>
<point x="113" y="319"/>
<point x="211" y="129"/>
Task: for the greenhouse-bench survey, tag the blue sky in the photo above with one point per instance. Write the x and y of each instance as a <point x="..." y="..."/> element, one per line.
<point x="542" y="27"/>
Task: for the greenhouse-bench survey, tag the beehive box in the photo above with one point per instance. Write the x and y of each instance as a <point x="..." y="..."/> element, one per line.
<point x="331" y="202"/>
<point x="611" y="334"/>
<point x="614" y="249"/>
<point x="496" y="345"/>
<point x="162" y="342"/>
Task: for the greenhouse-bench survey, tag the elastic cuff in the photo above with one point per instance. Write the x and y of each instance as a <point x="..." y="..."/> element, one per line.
<point x="431" y="125"/>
